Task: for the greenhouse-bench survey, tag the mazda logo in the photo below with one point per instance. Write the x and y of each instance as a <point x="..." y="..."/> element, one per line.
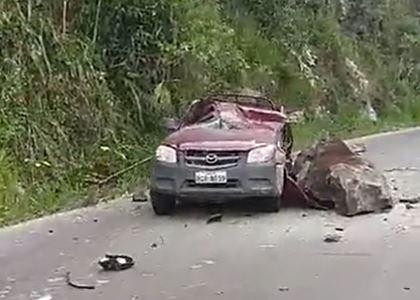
<point x="211" y="158"/>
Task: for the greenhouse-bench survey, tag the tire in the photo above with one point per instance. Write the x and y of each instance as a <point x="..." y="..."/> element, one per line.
<point x="162" y="204"/>
<point x="272" y="205"/>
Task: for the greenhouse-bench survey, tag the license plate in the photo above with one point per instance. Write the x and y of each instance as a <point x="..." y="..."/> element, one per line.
<point x="211" y="177"/>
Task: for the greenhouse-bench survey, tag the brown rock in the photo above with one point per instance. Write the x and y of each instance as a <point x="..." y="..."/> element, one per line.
<point x="336" y="178"/>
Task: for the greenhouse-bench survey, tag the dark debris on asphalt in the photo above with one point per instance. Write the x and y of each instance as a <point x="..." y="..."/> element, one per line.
<point x="215" y="218"/>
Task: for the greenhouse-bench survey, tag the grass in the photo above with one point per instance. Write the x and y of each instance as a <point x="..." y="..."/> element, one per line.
<point x="20" y="202"/>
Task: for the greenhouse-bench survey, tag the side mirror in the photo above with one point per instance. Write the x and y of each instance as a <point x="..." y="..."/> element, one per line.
<point x="171" y="124"/>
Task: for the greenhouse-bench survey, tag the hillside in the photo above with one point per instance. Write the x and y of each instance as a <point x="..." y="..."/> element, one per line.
<point x="83" y="83"/>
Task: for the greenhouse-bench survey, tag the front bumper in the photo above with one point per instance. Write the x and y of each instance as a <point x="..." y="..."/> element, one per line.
<point x="244" y="182"/>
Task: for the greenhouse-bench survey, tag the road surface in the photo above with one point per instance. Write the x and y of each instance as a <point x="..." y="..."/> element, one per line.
<point x="245" y="257"/>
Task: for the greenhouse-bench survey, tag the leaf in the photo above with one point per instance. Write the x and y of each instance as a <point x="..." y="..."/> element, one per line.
<point x="105" y="148"/>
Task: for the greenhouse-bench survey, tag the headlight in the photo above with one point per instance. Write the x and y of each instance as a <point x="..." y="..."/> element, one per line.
<point x="261" y="155"/>
<point x="166" y="154"/>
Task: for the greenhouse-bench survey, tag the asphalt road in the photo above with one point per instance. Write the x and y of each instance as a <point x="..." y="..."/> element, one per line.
<point x="257" y="256"/>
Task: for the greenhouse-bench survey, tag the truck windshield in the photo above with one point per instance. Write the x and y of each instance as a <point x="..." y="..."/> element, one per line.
<point x="215" y="122"/>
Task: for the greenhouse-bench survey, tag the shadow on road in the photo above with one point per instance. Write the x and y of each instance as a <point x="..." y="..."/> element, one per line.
<point x="246" y="208"/>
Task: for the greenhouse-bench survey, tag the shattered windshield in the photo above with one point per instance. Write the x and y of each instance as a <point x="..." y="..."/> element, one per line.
<point x="217" y="122"/>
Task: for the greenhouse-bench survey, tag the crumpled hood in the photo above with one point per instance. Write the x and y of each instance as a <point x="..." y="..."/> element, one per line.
<point x="218" y="140"/>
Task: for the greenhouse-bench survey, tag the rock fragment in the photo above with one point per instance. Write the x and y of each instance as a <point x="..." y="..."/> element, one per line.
<point x="409" y="206"/>
<point x="196" y="266"/>
<point x="141" y="195"/>
<point x="332" y="238"/>
<point x="215" y="218"/>
<point x="46" y="297"/>
<point x="116" y="262"/>
<point x="413" y="200"/>
<point x="358" y="148"/>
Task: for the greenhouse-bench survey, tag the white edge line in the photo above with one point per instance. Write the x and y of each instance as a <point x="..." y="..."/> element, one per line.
<point x="383" y="134"/>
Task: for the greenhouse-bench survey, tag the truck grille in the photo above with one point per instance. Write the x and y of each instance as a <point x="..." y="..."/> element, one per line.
<point x="212" y="159"/>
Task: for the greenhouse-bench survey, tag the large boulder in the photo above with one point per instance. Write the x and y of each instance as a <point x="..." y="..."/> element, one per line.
<point x="336" y="178"/>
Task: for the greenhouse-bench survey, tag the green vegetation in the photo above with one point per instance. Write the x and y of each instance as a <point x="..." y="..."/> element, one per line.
<point x="83" y="84"/>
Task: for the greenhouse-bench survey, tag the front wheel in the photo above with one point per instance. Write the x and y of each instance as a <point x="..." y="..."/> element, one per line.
<point x="162" y="204"/>
<point x="272" y="205"/>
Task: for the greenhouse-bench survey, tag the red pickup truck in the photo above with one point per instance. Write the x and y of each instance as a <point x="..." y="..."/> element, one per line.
<point x="227" y="147"/>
